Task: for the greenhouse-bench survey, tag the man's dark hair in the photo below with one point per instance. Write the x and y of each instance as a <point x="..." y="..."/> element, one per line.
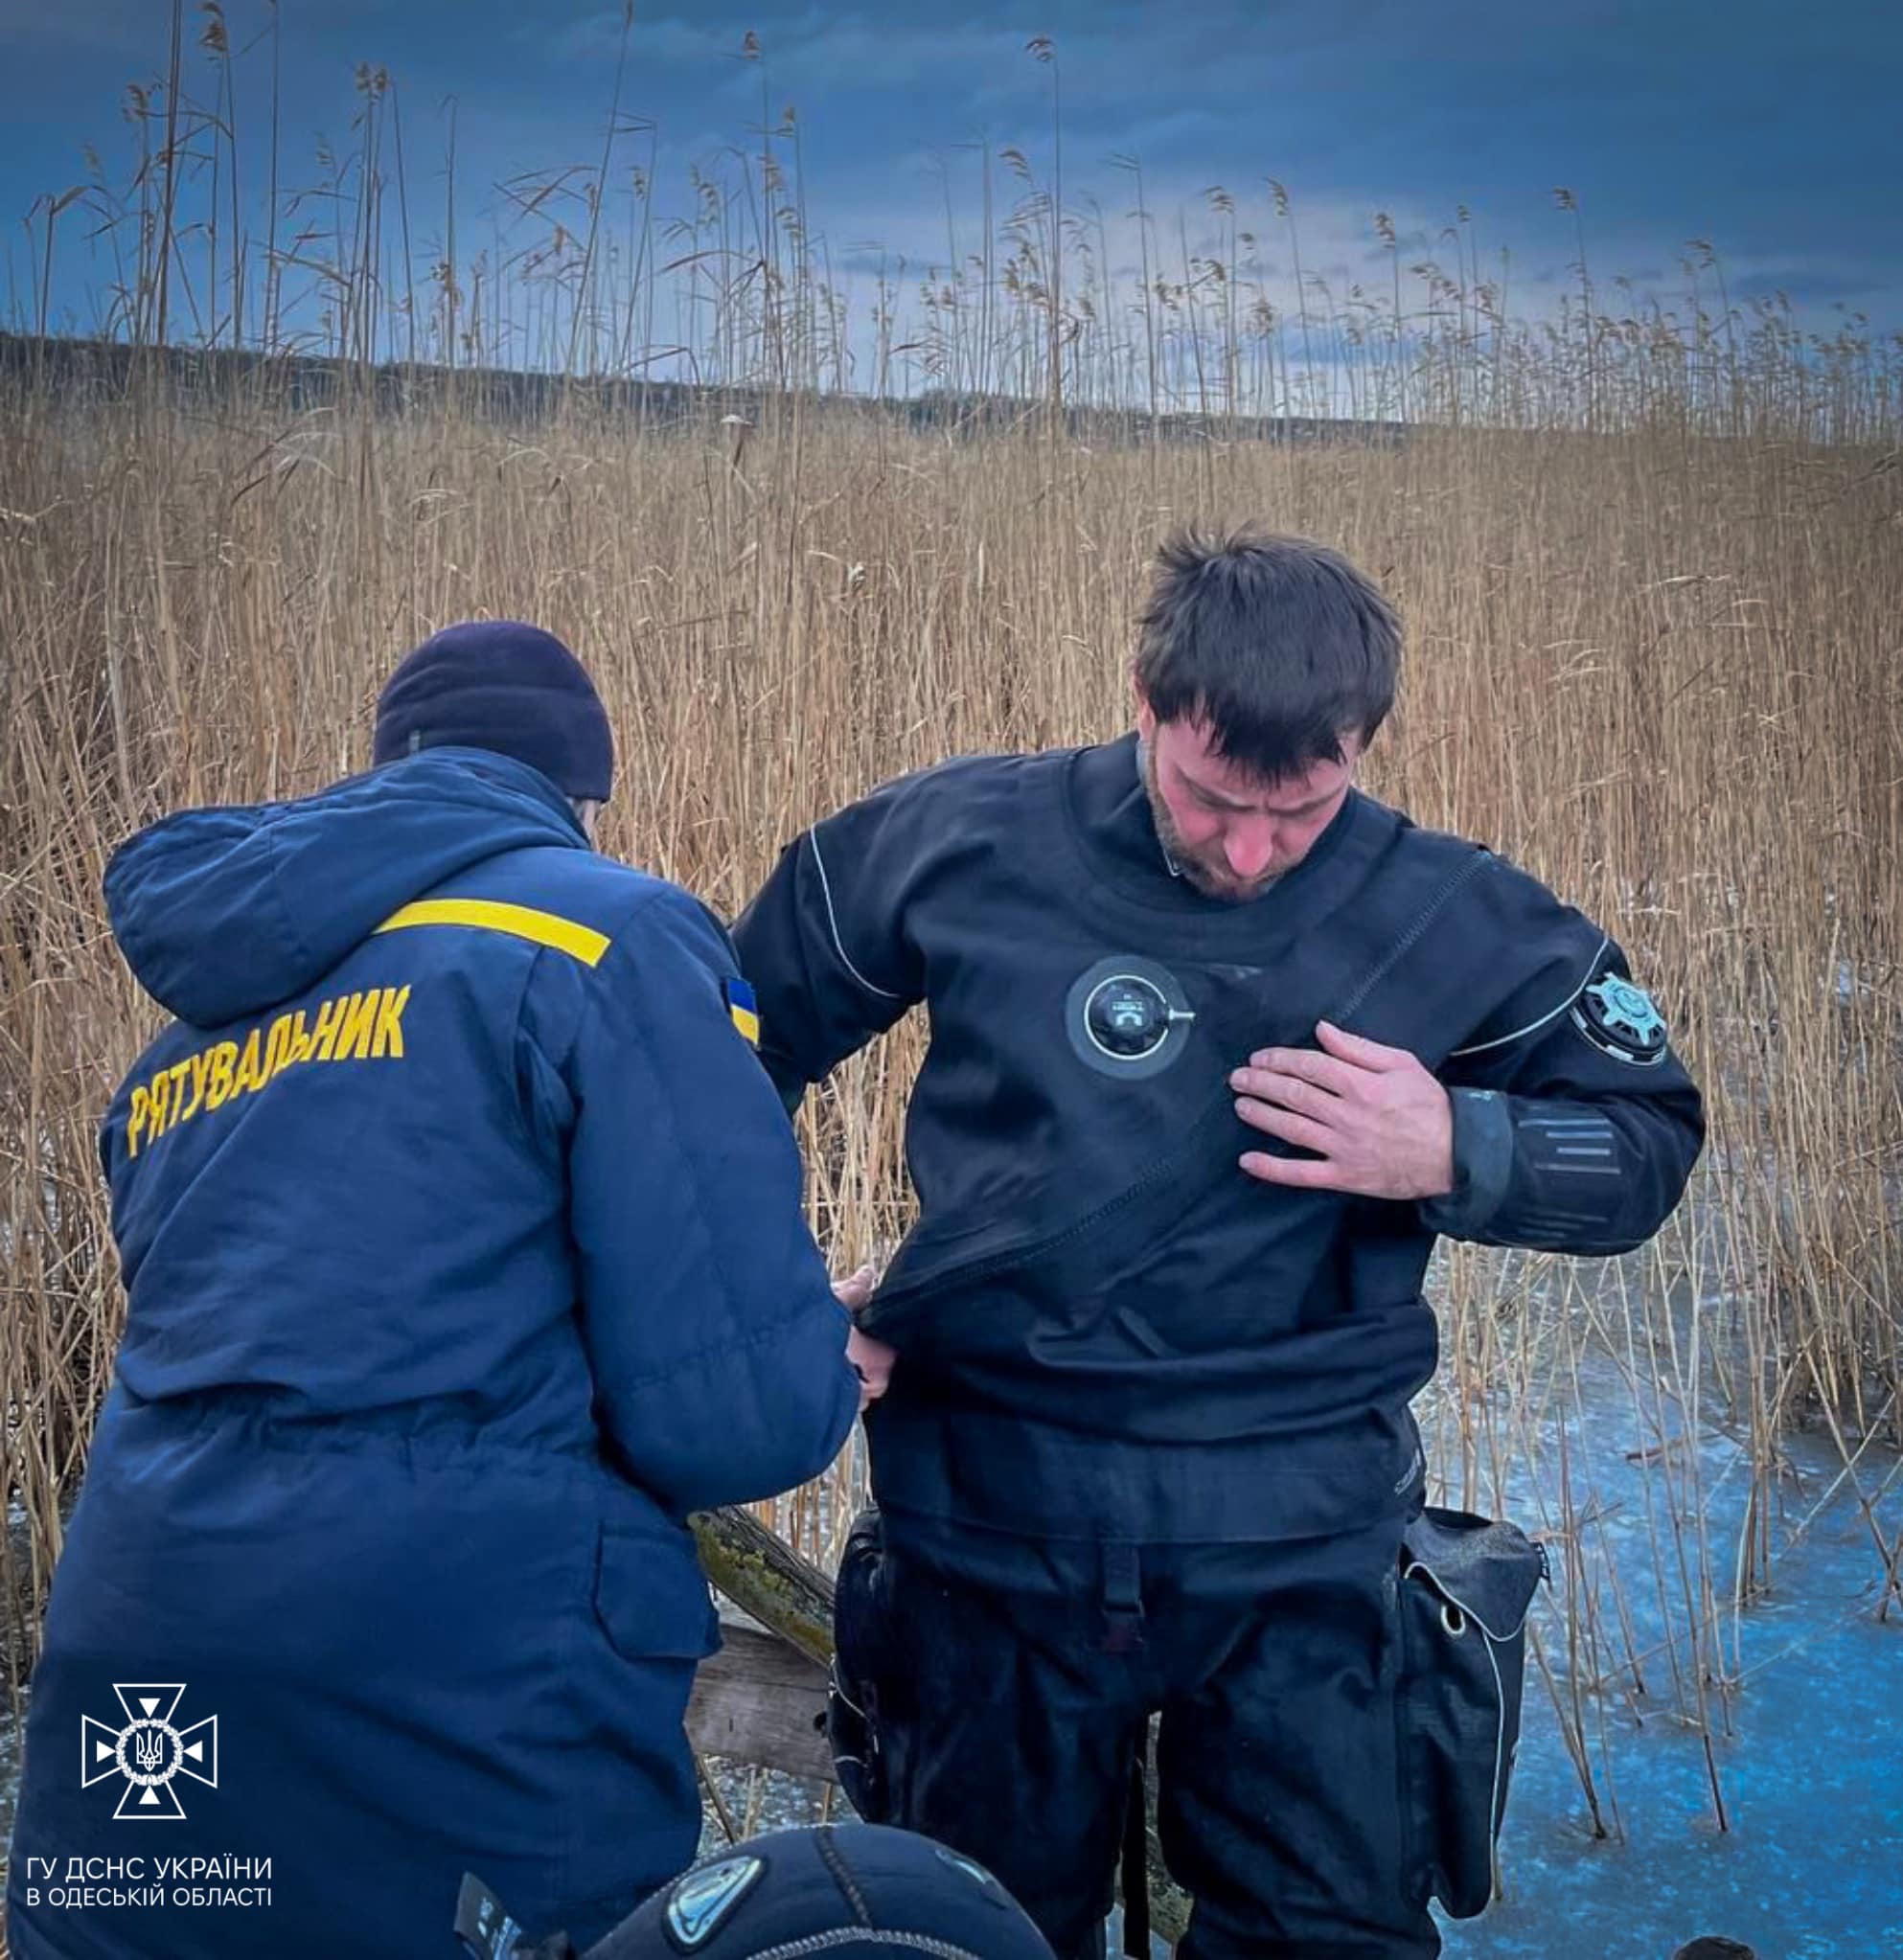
<point x="1279" y="645"/>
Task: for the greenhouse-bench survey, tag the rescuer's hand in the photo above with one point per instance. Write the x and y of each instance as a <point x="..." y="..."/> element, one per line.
<point x="1379" y="1123"/>
<point x="853" y="1291"/>
<point x="872" y="1361"/>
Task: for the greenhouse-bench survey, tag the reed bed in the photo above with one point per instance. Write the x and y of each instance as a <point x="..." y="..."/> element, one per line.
<point x="1648" y="561"/>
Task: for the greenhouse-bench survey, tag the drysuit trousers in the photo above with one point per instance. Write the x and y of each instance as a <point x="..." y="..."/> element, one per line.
<point x="1006" y="1722"/>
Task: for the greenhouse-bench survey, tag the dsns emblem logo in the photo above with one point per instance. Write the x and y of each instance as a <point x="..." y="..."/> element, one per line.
<point x="1619" y="1020"/>
<point x="150" y="1751"/>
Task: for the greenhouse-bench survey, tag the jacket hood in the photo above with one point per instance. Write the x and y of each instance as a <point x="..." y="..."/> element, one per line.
<point x="224" y="913"/>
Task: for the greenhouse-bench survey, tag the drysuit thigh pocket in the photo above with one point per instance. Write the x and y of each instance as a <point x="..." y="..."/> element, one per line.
<point x="1465" y="1587"/>
<point x="861" y="1670"/>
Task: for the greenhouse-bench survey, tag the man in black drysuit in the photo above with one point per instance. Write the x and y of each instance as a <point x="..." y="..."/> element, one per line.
<point x="1219" y="1044"/>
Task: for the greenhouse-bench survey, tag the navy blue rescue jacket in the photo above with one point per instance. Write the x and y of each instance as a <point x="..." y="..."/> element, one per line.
<point x="462" y="1237"/>
<point x="1108" y="1330"/>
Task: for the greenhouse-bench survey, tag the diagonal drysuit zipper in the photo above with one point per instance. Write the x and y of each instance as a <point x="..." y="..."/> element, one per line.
<point x="1218" y="1114"/>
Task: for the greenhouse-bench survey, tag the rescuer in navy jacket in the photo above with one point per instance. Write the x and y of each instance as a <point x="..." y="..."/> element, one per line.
<point x="462" y="1239"/>
<point x="1219" y="1045"/>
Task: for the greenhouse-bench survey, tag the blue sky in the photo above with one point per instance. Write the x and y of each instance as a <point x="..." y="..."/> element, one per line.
<point x="1769" y="130"/>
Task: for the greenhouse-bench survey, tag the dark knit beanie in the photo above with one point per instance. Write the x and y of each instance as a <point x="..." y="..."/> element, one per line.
<point x="509" y="688"/>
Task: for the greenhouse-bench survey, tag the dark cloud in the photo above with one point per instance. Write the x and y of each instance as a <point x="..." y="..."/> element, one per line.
<point x="1820" y="285"/>
<point x="1767" y="129"/>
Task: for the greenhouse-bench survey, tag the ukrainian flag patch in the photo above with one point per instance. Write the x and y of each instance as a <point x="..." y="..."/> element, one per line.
<point x="743" y="1009"/>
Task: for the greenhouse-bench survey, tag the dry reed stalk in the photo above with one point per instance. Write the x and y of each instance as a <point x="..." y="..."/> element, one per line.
<point x="201" y="609"/>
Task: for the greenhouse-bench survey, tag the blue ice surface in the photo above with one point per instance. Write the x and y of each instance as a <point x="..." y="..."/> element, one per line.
<point x="1807" y="1750"/>
<point x="1806" y="1729"/>
<point x="1812" y="1778"/>
<point x="1802" y="1698"/>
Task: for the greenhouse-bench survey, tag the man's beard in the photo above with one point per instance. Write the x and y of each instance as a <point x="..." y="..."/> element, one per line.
<point x="1211" y="882"/>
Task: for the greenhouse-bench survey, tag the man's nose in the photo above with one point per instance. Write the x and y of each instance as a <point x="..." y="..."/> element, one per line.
<point x="1249" y="846"/>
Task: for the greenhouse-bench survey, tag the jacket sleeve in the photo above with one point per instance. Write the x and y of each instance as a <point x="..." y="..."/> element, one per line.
<point x="1575" y="1125"/>
<point x="823" y="942"/>
<point x="716" y="1346"/>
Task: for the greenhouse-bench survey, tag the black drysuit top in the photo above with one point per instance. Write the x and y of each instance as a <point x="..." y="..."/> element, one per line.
<point x="1108" y="1330"/>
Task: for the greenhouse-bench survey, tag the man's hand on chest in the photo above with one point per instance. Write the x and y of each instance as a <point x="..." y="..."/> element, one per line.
<point x="1378" y="1122"/>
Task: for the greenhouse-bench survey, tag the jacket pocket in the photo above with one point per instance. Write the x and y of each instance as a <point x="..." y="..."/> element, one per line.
<point x="1465" y="1590"/>
<point x="860" y="1659"/>
<point x="652" y="1597"/>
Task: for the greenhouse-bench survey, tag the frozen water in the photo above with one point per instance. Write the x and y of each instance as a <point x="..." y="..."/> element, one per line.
<point x="1812" y="1776"/>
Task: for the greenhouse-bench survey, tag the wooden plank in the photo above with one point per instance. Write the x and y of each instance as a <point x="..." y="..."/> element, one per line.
<point x="762" y="1572"/>
<point x="760" y="1701"/>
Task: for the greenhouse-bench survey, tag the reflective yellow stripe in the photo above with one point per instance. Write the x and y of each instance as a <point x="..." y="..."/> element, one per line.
<point x="581" y="942"/>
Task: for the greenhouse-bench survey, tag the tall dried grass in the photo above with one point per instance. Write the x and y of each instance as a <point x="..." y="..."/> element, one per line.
<point x="1653" y="656"/>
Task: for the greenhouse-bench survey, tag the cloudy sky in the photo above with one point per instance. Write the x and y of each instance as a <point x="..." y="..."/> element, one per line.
<point x="1769" y="130"/>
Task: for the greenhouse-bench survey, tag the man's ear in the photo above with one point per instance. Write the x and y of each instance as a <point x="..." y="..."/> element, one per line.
<point x="1146" y="716"/>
